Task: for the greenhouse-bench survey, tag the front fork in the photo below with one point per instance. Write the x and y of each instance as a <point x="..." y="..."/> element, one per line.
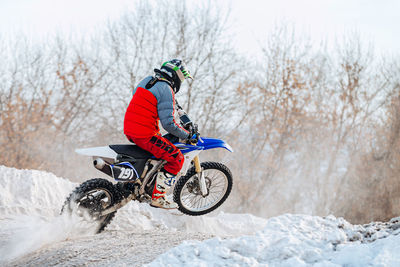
<point x="200" y="175"/>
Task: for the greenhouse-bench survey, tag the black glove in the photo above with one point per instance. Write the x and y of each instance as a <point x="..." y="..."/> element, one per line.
<point x="193" y="134"/>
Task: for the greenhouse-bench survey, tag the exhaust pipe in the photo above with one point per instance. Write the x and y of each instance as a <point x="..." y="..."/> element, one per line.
<point x="102" y="166"/>
<point x="99" y="163"/>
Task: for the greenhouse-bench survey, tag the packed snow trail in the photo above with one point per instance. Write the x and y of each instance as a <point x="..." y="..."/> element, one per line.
<point x="33" y="233"/>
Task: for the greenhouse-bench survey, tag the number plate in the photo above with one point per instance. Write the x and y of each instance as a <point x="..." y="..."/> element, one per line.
<point x="124" y="171"/>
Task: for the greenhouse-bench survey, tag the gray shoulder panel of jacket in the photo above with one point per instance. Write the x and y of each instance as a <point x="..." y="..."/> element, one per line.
<point x="165" y="107"/>
<point x="142" y="84"/>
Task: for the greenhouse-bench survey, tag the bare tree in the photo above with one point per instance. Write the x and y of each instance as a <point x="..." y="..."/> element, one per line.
<point x="147" y="36"/>
<point x="49" y="96"/>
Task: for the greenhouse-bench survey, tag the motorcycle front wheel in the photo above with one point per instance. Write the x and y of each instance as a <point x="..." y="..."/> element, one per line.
<point x="187" y="193"/>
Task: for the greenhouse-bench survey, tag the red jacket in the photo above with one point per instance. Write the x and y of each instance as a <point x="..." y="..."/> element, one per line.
<point x="150" y="106"/>
<point x="141" y="117"/>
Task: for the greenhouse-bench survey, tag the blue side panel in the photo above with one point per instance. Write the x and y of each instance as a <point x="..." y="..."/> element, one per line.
<point x="187" y="148"/>
<point x="204" y="144"/>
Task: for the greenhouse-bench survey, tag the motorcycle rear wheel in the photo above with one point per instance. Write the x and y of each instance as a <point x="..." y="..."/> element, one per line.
<point x="93" y="196"/>
<point x="187" y="192"/>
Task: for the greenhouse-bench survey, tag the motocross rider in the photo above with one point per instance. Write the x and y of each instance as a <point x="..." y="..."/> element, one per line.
<point x="154" y="101"/>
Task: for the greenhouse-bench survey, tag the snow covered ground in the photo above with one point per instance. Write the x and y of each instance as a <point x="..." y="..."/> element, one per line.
<point x="33" y="233"/>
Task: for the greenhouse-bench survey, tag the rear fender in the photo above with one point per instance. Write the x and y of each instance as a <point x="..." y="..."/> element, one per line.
<point x="101" y="151"/>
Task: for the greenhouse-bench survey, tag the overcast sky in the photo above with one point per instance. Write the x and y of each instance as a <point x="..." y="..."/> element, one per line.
<point x="376" y="20"/>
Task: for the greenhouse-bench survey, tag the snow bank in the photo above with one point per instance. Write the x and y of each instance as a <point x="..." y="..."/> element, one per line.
<point x="296" y="240"/>
<point x="30" y="204"/>
<point x="30" y="192"/>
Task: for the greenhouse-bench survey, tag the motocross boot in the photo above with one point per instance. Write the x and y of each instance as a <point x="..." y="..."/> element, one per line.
<point x="164" y="181"/>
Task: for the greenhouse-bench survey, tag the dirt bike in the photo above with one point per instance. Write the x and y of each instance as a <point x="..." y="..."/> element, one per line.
<point x="199" y="188"/>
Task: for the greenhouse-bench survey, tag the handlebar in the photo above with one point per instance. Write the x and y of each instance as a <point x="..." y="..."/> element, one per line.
<point x="193" y="129"/>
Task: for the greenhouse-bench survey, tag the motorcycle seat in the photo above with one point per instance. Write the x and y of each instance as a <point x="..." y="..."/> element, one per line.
<point x="131" y="150"/>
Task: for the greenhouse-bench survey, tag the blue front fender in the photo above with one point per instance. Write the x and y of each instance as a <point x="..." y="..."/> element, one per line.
<point x="204" y="144"/>
<point x="210" y="143"/>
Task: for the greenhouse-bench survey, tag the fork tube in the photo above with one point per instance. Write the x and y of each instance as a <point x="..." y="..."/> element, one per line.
<point x="197" y="164"/>
<point x="200" y="175"/>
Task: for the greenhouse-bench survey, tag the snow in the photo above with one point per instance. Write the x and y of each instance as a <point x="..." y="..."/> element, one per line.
<point x="292" y="240"/>
<point x="31" y="192"/>
<point x="33" y="233"/>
